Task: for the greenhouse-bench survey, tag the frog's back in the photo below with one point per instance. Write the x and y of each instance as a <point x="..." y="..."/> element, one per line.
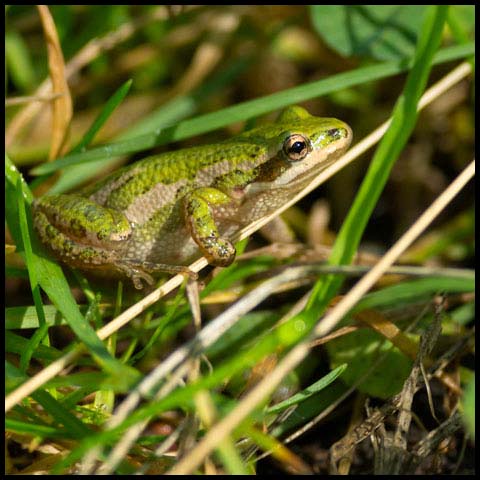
<point x="172" y="171"/>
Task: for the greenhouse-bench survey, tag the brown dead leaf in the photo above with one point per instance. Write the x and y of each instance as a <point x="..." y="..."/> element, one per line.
<point x="61" y="106"/>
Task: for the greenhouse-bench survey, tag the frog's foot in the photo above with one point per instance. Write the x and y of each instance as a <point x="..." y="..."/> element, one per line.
<point x="136" y="274"/>
<point x="162" y="267"/>
<point x="138" y="271"/>
<point x="217" y="250"/>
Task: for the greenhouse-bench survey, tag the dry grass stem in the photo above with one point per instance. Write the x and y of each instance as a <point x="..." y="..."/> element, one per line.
<point x="10" y="102"/>
<point x="86" y="55"/>
<point x="62" y="105"/>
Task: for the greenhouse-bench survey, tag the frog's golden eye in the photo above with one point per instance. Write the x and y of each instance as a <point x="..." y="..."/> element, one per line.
<point x="296" y="147"/>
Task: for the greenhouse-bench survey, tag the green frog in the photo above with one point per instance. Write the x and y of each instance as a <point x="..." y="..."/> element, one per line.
<point x="160" y="213"/>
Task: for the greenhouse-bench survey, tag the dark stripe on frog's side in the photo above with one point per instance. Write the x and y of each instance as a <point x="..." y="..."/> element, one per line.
<point x="265" y="172"/>
<point x="269" y="171"/>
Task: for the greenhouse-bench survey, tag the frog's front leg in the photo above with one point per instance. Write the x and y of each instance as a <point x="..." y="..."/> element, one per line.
<point x="201" y="222"/>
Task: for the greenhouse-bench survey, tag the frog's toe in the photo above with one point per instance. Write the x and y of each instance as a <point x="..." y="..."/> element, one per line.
<point x="136" y="275"/>
<point x="137" y="278"/>
<point x="221" y="253"/>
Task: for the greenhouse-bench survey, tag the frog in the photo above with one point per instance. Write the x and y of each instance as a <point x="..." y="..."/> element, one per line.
<point x="160" y="213"/>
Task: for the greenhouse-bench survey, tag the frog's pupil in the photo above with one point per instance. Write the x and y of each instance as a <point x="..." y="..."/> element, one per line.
<point x="297" y="147"/>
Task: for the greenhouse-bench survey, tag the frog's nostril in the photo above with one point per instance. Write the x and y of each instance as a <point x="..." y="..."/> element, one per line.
<point x="336" y="132"/>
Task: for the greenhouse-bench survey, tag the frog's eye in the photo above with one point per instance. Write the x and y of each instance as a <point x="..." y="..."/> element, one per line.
<point x="296" y="147"/>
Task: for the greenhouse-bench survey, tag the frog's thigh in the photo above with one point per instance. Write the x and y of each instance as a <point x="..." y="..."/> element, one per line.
<point x="79" y="231"/>
<point x="67" y="249"/>
<point x="85" y="256"/>
<point x="201" y="222"/>
<point x="83" y="220"/>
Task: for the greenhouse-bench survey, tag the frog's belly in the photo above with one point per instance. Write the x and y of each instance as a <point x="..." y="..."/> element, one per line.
<point x="170" y="244"/>
<point x="166" y="239"/>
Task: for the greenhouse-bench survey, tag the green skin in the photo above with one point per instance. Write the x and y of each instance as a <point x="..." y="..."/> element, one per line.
<point x="158" y="213"/>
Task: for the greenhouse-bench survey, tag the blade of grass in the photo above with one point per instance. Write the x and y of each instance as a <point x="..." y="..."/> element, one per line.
<point x="40" y="333"/>
<point x="268" y="443"/>
<point x="186" y="105"/>
<point x="227" y="453"/>
<point x="62" y="109"/>
<point x="459" y="32"/>
<point x="313" y="389"/>
<point x="408" y="292"/>
<point x="51" y="279"/>
<point x="74" y="176"/>
<point x="62" y="416"/>
<point x="112" y="103"/>
<point x="19" y="426"/>
<point x="26" y="317"/>
<point x="403" y="122"/>
<point x="17" y="344"/>
<point x="74" y="428"/>
<point x="18" y="63"/>
<point x="246" y="110"/>
<point x="172" y="310"/>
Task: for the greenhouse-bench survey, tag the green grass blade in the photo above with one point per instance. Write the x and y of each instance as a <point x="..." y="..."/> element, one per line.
<point x="17" y="344"/>
<point x="74" y="176"/>
<point x="246" y="110"/>
<point x="26" y="317"/>
<point x="313" y="389"/>
<point x="40" y="333"/>
<point x="60" y="414"/>
<point x="183" y="106"/>
<point x="468" y="402"/>
<point x="414" y="290"/>
<point x="231" y="458"/>
<point x="28" y="428"/>
<point x="403" y="122"/>
<point x="18" y="62"/>
<point x="112" y="103"/>
<point x="51" y="279"/>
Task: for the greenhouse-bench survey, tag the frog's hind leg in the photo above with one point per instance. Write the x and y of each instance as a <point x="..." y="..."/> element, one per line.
<point x="81" y="219"/>
<point x="65" y="248"/>
<point x="95" y="259"/>
<point x="88" y="236"/>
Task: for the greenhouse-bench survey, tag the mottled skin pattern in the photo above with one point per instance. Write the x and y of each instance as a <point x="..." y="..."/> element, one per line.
<point x="156" y="214"/>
